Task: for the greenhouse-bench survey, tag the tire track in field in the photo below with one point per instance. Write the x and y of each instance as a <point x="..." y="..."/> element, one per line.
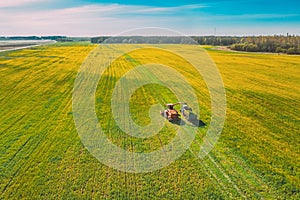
<point x="110" y="81"/>
<point x="208" y="168"/>
<point x="61" y="110"/>
<point x="27" y="92"/>
<point x="31" y="90"/>
<point x="226" y="176"/>
<point x="132" y="181"/>
<point x="212" y="162"/>
<point x="246" y="177"/>
<point x="234" y="175"/>
<point x="60" y="115"/>
<point x="42" y="126"/>
<point x="158" y="178"/>
<point x="46" y="146"/>
<point x="37" y="77"/>
<point x="5" y="133"/>
<point x="256" y="183"/>
<point x="35" y="89"/>
<point x="219" y="169"/>
<point x="144" y="94"/>
<point x="134" y="62"/>
<point x="124" y="146"/>
<point x="103" y="95"/>
<point x="257" y="137"/>
<point x="35" y="72"/>
<point x="23" y="164"/>
<point x="213" y="176"/>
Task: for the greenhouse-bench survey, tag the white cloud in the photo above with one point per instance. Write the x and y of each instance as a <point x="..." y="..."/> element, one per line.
<point x="111" y="19"/>
<point x="268" y="16"/>
<point x="89" y="19"/>
<point x="149" y="9"/>
<point x="128" y="9"/>
<point x="16" y="3"/>
<point x="252" y="16"/>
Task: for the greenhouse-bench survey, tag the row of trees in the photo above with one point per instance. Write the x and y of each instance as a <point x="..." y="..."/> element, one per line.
<point x="145" y="40"/>
<point x="33" y="38"/>
<point x="202" y="40"/>
<point x="275" y="44"/>
<point x="250" y="47"/>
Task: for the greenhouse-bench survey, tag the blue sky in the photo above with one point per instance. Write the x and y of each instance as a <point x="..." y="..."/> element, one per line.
<point x="108" y="17"/>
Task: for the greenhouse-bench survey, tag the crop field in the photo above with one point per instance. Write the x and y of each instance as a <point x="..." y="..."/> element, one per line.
<point x="42" y="157"/>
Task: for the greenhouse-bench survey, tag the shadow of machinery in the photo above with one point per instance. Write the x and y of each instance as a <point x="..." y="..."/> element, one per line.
<point x="197" y="122"/>
<point x="193" y="119"/>
<point x="178" y="122"/>
<point x="194" y="122"/>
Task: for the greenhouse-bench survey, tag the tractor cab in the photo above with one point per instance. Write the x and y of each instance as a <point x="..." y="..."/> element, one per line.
<point x="170" y="113"/>
<point x="170" y="106"/>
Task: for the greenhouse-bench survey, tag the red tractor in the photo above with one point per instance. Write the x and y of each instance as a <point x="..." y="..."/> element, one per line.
<point x="170" y="113"/>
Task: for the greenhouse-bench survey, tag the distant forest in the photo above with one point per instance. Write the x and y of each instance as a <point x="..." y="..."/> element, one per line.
<point x="274" y="44"/>
<point x="33" y="38"/>
<point x="289" y="44"/>
<point x="56" y="38"/>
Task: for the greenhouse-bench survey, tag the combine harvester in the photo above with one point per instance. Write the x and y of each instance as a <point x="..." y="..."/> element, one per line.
<point x="173" y="115"/>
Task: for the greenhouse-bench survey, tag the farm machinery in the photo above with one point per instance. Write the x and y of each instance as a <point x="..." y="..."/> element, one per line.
<point x="171" y="114"/>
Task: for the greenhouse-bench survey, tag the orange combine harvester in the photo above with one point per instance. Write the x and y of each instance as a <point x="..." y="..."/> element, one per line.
<point x="172" y="114"/>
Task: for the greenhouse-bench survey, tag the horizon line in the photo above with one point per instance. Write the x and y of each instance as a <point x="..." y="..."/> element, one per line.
<point x="217" y="35"/>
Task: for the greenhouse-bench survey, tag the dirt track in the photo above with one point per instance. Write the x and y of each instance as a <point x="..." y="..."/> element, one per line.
<point x="16" y="45"/>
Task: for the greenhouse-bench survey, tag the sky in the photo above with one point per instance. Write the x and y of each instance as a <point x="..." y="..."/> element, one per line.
<point x="109" y="17"/>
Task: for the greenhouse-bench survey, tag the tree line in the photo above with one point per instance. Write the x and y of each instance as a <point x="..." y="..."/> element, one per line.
<point x="275" y="44"/>
<point x="33" y="37"/>
<point x="56" y="38"/>
<point x="144" y="40"/>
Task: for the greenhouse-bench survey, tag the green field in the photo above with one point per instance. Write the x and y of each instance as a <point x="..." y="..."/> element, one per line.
<point x="42" y="156"/>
